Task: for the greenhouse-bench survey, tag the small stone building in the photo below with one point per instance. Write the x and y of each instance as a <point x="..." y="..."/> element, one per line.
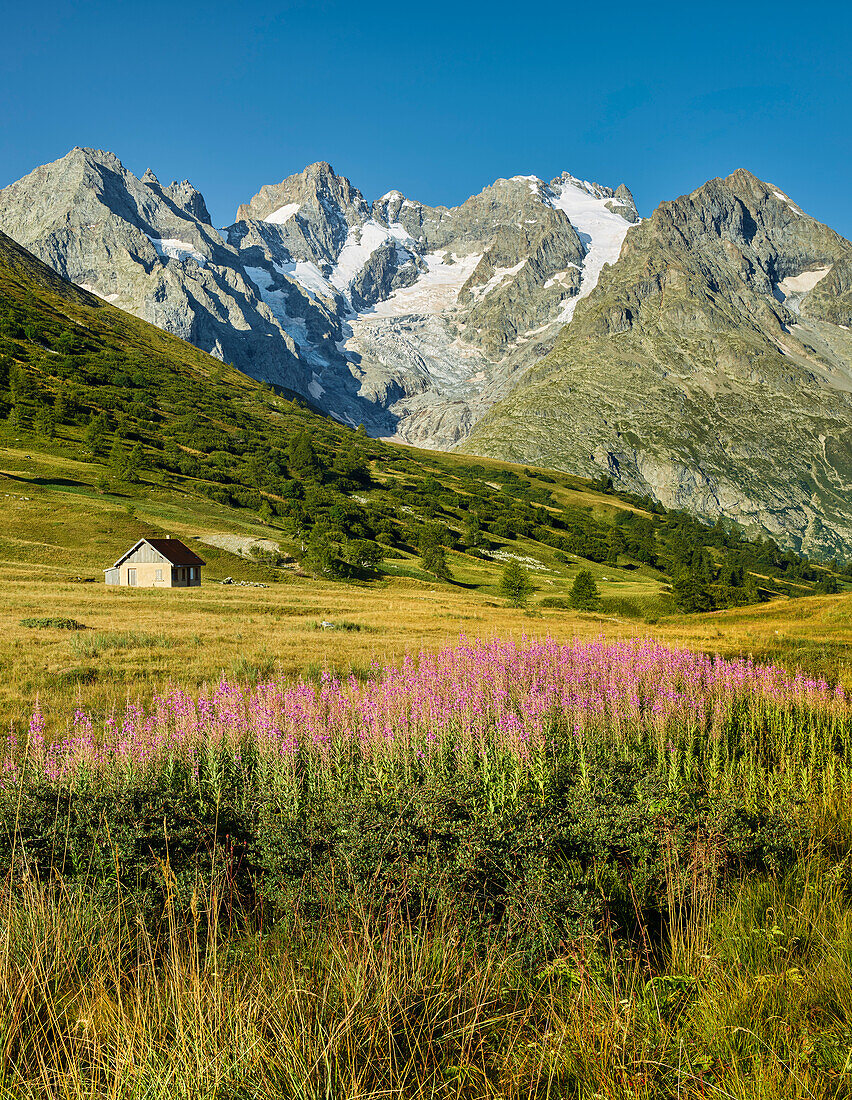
<point x="157" y="563"/>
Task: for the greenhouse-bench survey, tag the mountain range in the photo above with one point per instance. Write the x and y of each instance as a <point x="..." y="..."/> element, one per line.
<point x="702" y="355"/>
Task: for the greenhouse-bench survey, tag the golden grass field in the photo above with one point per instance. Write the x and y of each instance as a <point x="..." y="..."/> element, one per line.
<point x="138" y="641"/>
<point x="58" y="531"/>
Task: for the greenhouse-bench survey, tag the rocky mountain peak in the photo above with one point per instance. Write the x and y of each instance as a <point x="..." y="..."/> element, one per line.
<point x="182" y="194"/>
<point x="320" y="170"/>
<point x="388" y="208"/>
<point x="150" y="250"/>
<point x="83" y="154"/>
<point x="743" y="229"/>
<point x="316" y="186"/>
<point x="625" y="194"/>
<point x="186" y="198"/>
<point x="314" y="211"/>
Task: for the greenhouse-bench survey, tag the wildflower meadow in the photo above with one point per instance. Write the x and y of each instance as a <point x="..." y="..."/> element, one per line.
<point x="506" y="716"/>
<point x="502" y="869"/>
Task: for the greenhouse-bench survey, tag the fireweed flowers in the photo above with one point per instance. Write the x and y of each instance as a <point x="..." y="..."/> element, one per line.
<point x="502" y="713"/>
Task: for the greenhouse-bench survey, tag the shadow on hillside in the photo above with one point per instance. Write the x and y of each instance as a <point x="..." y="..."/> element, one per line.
<point x="47" y="482"/>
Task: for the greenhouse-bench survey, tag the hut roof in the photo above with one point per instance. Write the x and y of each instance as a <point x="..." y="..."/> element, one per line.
<point x="173" y="550"/>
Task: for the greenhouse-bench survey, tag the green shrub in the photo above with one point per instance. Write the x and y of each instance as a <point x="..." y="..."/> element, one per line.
<point x="55" y="624"/>
<point x="647" y="608"/>
<point x="545" y="865"/>
<point x="245" y="670"/>
<point x="82" y="674"/>
<point x="561" y="602"/>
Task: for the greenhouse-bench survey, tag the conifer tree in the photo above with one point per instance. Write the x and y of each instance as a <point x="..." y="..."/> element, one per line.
<point x="473" y="535"/>
<point x="320" y="557"/>
<point x="584" y="595"/>
<point x="95" y="435"/>
<point x="118" y="458"/>
<point x="515" y="585"/>
<point x="60" y="407"/>
<point x="135" y="462"/>
<point x="302" y="458"/>
<point x="691" y="592"/>
<point x="45" y="422"/>
<point x="615" y="545"/>
<point x="433" y="557"/>
<point x="20" y="385"/>
<point x="16" y="421"/>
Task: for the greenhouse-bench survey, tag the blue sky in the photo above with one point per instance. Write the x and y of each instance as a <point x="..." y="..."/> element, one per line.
<point x="438" y="100"/>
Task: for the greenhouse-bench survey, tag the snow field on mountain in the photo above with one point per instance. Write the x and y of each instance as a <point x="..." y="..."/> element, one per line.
<point x="168" y="248"/>
<point x="496" y="279"/>
<point x="791" y="290"/>
<point x="273" y="298"/>
<point x="283" y="213"/>
<point x="601" y="231"/>
<point x="94" y="290"/>
<point x="361" y="242"/>
<point x="308" y="276"/>
<point x="436" y="291"/>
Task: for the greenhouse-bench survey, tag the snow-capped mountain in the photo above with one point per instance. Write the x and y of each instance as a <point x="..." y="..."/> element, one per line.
<point x="703" y="356"/>
<point x="435" y="309"/>
<point x="711" y="369"/>
<point x="409" y="319"/>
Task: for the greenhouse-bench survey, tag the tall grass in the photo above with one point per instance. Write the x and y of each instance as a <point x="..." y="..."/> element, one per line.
<point x="94" y="644"/>
<point x="509" y="784"/>
<point x="93" y="1003"/>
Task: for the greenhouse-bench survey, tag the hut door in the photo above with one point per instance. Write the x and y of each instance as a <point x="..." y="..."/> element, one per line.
<point x="131" y="576"/>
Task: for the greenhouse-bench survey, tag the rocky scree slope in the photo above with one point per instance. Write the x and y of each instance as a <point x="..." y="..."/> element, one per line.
<point x="711" y="367"/>
<point x="410" y="319"/>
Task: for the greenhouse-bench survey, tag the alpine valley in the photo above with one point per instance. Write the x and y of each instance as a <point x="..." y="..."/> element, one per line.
<point x="701" y="356"/>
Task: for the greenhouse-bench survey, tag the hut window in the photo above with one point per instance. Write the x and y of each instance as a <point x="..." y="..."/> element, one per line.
<point x="158" y="576"/>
